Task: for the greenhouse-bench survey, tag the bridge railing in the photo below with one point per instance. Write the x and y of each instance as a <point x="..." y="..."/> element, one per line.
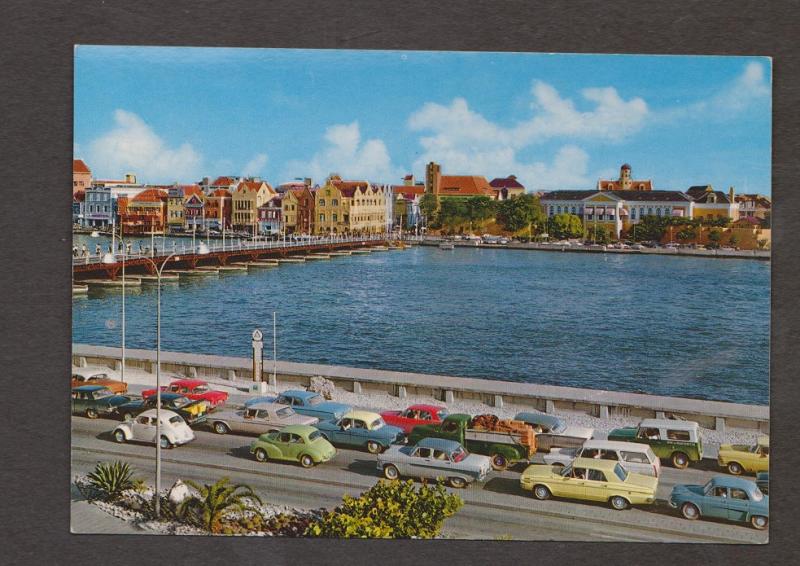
<point x="186" y="248"/>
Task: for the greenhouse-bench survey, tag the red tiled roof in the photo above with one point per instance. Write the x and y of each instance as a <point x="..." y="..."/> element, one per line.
<point x="464" y="185"/>
<point x="408" y="189"/>
<point x="78" y="166"/>
<point x="150" y="195"/>
<point x="223" y="181"/>
<point x="189" y="190"/>
<point x="350" y="184"/>
<point x="251" y="186"/>
<point x="221" y="193"/>
<point x="509" y="182"/>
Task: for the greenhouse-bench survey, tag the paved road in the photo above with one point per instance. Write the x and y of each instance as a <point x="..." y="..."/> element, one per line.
<point x="498" y="508"/>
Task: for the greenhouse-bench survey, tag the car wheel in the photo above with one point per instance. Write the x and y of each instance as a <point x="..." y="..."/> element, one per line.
<point x="221" y="428"/>
<point x="680" y="460"/>
<point x="619" y="503"/>
<point x="306" y="461"/>
<point x="759" y="522"/>
<point x="457" y="483"/>
<point x="119" y="436"/>
<point x="390" y="472"/>
<point x="165" y="443"/>
<point x="91" y="413"/>
<point x="373" y="447"/>
<point x="261" y="455"/>
<point x="690" y="511"/>
<point x="541" y="492"/>
<point x="735" y="468"/>
<point x="499" y="462"/>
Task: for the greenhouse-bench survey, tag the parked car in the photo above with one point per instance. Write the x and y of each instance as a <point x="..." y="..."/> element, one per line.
<point x="553" y="432"/>
<point x="312" y="404"/>
<point x="433" y="458"/>
<point x="740" y="458"/>
<point x="637" y="247"/>
<point x="414" y="415"/>
<point x="91" y="378"/>
<point x="192" y="411"/>
<point x="762" y="481"/>
<point x="95" y="400"/>
<point x="723" y="497"/>
<point x="361" y="429"/>
<point x="591" y="480"/>
<point x="193" y="389"/>
<point x="637" y="458"/>
<point x="258" y="418"/>
<point x="174" y="430"/>
<point x="678" y="441"/>
<point x="294" y="443"/>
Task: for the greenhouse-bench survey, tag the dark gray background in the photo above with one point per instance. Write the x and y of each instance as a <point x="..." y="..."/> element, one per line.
<point x="35" y="154"/>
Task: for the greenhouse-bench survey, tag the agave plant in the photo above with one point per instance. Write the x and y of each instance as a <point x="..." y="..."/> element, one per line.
<point x="212" y="502"/>
<point x="112" y="478"/>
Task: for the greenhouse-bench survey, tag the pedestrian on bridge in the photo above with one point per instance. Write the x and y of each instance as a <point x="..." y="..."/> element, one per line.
<point x="84" y="251"/>
<point x="128" y="248"/>
<point x="97" y="249"/>
<point x="74" y="251"/>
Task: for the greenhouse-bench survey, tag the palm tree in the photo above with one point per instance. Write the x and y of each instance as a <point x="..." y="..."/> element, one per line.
<point x="213" y="502"/>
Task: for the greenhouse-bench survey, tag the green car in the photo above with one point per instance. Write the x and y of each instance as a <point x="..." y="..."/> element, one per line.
<point x="677" y="441"/>
<point x="295" y="443"/>
<point x="96" y="400"/>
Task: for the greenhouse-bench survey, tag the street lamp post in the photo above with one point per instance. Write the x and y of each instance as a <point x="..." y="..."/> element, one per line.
<point x="159" y="270"/>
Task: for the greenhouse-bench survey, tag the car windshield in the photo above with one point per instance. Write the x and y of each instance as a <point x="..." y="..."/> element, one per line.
<point x="100" y="393"/>
<point x="177" y="419"/>
<point x="621" y="472"/>
<point x="314" y="435"/>
<point x="757" y="494"/>
<point x="459" y="454"/>
<point x="285" y="412"/>
<point x="315" y="400"/>
<point x="559" y="427"/>
<point x="181" y="401"/>
<point x="567" y="471"/>
<point x="377" y="423"/>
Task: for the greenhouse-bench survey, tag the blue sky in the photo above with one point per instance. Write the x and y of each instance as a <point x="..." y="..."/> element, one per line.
<point x="556" y="121"/>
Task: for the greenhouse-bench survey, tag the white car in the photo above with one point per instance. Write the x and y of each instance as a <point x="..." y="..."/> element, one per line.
<point x="634" y="457"/>
<point x="174" y="430"/>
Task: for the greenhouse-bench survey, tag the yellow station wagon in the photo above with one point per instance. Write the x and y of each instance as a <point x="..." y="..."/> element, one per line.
<point x="590" y="479"/>
<point x="740" y="458"/>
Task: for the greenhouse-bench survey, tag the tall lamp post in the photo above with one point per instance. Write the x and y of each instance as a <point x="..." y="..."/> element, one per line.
<point x="203" y="249"/>
<point x="110" y="258"/>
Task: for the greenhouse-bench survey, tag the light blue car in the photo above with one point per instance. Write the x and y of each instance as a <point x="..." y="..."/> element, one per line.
<point x="361" y="429"/>
<point x="723" y="497"/>
<point x="306" y="403"/>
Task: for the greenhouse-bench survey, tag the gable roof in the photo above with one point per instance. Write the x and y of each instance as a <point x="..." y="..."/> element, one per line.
<point x="223" y="181"/>
<point x="78" y="166"/>
<point x="464" y="185"/>
<point x="638" y="196"/>
<point x="408" y="189"/>
<point x="252" y="186"/>
<point x="150" y="195"/>
<point x="701" y="194"/>
<point x="220" y="193"/>
<point x="509" y="182"/>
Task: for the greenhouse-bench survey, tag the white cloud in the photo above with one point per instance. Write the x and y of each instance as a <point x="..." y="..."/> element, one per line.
<point x="255" y="166"/>
<point x="346" y="154"/>
<point x="133" y="146"/>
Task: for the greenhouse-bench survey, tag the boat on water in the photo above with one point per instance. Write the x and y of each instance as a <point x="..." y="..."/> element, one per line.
<point x="95" y="234"/>
<point x="447" y="246"/>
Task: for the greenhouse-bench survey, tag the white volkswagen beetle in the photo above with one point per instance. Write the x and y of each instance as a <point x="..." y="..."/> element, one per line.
<point x="174" y="430"/>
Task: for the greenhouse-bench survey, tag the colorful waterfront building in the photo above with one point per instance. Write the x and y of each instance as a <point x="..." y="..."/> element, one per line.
<point x="217" y="211"/>
<point x="144" y="213"/>
<point x="331" y="211"/>
<point x="176" y="205"/>
<point x="625" y="182"/>
<point x="456" y="186"/>
<point x="709" y="203"/>
<point x="77" y="206"/>
<point x="754" y="206"/>
<point x="248" y="196"/>
<point x="81" y="176"/>
<point x="98" y="207"/>
<point x="507" y="187"/>
<point x="298" y="210"/>
<point x="406" y="209"/>
<point x="270" y="217"/>
<point x="194" y="210"/>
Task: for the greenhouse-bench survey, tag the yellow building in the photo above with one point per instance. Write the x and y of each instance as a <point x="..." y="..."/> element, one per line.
<point x="354" y="207"/>
<point x="367" y="209"/>
<point x="331" y="211"/>
<point x="247" y="197"/>
<point x="709" y="203"/>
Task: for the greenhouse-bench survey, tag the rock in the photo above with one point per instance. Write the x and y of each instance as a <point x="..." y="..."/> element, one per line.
<point x="324" y="387"/>
<point x="179" y="492"/>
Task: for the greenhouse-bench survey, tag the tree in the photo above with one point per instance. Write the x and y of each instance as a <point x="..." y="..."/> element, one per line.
<point x="599" y="234"/>
<point x="566" y="225"/>
<point x="429" y="206"/>
<point x="734" y="240"/>
<point x="523" y="211"/>
<point x="715" y="236"/>
<point x="395" y="509"/>
<point x="688" y="233"/>
<point x="651" y="228"/>
<point x="212" y="502"/>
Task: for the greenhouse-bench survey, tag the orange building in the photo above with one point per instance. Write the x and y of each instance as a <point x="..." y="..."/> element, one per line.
<point x="144" y="213"/>
<point x="81" y="176"/>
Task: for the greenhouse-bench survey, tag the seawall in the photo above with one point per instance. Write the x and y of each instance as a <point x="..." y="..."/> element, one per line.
<point x="599" y="403"/>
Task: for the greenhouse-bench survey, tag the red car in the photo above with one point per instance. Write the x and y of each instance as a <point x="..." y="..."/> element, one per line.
<point x="414" y="415"/>
<point x="193" y="389"/>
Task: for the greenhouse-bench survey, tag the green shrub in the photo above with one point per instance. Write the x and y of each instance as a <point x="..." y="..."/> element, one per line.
<point x="213" y="502"/>
<point x="390" y="510"/>
<point x="112" y="478"/>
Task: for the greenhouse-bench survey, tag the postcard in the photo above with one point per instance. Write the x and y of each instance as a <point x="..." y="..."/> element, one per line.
<point x="409" y="294"/>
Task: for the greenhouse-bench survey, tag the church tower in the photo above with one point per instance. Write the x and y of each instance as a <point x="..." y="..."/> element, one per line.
<point x="432" y="173"/>
<point x="625" y="177"/>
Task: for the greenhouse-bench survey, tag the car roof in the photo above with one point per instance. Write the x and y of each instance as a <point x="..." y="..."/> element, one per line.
<point x="439" y="444"/>
<point x="424" y="407"/>
<point x="302" y="430"/>
<point x="764" y="440"/>
<point x="594" y="443"/>
<point x="594" y="463"/>
<point x="89" y="387"/>
<point x="536" y="417"/>
<point x="189" y="382"/>
<point x="668" y="423"/>
<point x="300" y="393"/>
<point x="731" y="481"/>
<point x="165" y="413"/>
<point x="367" y="416"/>
<point x="265" y="406"/>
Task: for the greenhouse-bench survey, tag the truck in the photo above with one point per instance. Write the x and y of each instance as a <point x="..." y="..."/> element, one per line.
<point x="504" y="441"/>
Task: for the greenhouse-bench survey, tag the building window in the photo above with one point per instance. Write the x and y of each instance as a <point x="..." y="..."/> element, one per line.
<point x="335" y="217"/>
<point x="633" y="214"/>
<point x="335" y="202"/>
<point x="649" y="211"/>
<point x="322" y="218"/>
<point x="658" y="211"/>
<point x="322" y="202"/>
<point x="558" y="209"/>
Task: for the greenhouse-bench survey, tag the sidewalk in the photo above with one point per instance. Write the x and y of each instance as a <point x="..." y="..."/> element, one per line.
<point x="86" y="518"/>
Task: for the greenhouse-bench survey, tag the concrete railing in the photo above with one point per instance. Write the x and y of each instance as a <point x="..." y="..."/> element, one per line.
<point x="604" y="404"/>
